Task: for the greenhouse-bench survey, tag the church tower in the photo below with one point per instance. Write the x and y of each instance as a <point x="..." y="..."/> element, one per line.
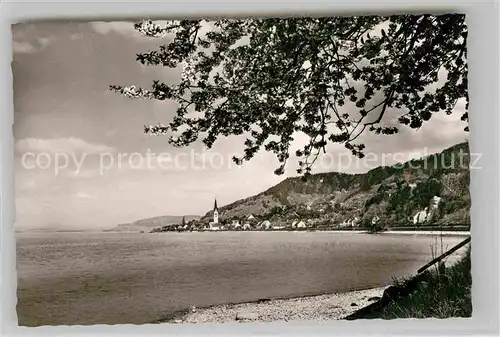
<point x="216" y="213"/>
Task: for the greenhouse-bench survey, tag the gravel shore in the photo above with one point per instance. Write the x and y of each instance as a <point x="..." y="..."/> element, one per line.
<point x="319" y="308"/>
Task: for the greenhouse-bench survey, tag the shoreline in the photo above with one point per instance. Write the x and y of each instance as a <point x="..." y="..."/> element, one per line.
<point x="460" y="233"/>
<point x="332" y="306"/>
<point x="399" y="232"/>
<point x="402" y="232"/>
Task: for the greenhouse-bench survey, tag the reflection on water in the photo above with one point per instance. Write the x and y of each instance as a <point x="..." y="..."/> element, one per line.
<point x="116" y="278"/>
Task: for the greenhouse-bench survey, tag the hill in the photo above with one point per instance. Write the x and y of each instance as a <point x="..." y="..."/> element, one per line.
<point x="150" y="223"/>
<point x="391" y="195"/>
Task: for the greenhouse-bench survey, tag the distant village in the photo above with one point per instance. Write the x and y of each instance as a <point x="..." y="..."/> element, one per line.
<point x="257" y="223"/>
<point x="248" y="223"/>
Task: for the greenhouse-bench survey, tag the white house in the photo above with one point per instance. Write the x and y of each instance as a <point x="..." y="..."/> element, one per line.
<point x="247" y="226"/>
<point x="434" y="205"/>
<point x="301" y="224"/>
<point x="349" y="223"/>
<point x="251" y="217"/>
<point x="427" y="214"/>
<point x="435" y="201"/>
<point x="420" y="217"/>
<point x="412" y="187"/>
<point x="266" y="224"/>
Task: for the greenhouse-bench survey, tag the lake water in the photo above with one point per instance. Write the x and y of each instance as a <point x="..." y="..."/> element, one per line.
<point x="116" y="278"/>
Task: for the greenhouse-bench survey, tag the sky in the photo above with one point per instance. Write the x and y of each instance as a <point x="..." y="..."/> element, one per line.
<point x="83" y="161"/>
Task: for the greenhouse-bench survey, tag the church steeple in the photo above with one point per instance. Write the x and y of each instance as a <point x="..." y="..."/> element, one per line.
<point x="216" y="213"/>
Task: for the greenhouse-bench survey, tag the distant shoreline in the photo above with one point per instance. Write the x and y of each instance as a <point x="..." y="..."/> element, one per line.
<point x="397" y="232"/>
<point x="388" y="232"/>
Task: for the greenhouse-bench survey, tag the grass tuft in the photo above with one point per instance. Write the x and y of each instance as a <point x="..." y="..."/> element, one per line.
<point x="438" y="295"/>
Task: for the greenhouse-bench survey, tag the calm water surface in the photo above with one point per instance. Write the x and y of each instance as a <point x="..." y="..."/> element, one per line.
<point x="116" y="278"/>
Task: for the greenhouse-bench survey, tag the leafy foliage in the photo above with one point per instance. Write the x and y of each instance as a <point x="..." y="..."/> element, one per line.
<point x="270" y="79"/>
<point x="425" y="191"/>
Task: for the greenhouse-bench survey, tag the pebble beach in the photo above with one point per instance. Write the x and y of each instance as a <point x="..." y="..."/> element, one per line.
<point x="319" y="308"/>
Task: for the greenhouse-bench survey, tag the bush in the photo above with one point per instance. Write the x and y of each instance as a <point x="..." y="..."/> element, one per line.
<point x="437" y="296"/>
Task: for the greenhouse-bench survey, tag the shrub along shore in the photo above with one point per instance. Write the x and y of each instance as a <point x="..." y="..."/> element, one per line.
<point x="438" y="293"/>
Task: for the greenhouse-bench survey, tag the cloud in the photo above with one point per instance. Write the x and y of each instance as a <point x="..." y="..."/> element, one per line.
<point x="61" y="145"/>
<point x="23" y="47"/>
<point x="45" y="41"/>
<point x="127" y="28"/>
<point x="83" y="173"/>
<point x="28" y="182"/>
<point x="121" y="27"/>
<point x="83" y="195"/>
<point x="75" y="36"/>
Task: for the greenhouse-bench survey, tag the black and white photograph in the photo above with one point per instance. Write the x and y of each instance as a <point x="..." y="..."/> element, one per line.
<point x="242" y="170"/>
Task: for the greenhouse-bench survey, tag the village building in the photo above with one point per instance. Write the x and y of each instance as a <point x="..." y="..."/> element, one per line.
<point x="420" y="217"/>
<point x="301" y="224"/>
<point x="412" y="187"/>
<point x="433" y="207"/>
<point x="266" y="224"/>
<point x="345" y="223"/>
<point x="214" y="224"/>
<point x="216" y="213"/>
